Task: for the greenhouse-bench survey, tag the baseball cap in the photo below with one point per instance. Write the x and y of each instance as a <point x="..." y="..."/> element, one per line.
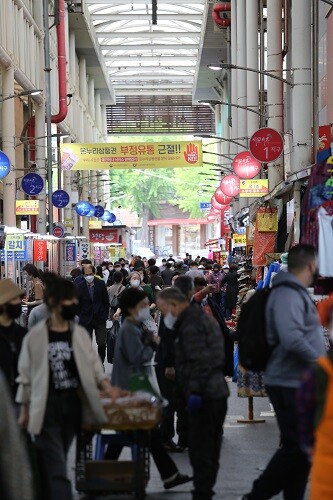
<point x="9" y="291"/>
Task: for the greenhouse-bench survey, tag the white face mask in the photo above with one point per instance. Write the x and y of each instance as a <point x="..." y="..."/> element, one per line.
<point x="143" y="314"/>
<point x="89" y="279"/>
<point x="170" y="320"/>
<point x="135" y="283"/>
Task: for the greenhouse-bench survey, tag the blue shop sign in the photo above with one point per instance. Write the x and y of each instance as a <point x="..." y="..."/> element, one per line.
<point x="60" y="198"/>
<point x="32" y="184"/>
<point x="4" y="165"/>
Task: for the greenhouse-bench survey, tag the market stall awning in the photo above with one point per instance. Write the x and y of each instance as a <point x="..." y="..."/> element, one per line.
<point x="180" y="222"/>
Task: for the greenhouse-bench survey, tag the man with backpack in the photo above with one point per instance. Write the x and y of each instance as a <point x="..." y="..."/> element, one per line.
<point x="295" y="337"/>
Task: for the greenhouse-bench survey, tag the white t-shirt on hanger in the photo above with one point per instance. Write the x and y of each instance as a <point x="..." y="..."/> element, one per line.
<point x="325" y="244"/>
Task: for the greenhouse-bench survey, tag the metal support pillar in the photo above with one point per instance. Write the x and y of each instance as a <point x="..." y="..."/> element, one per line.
<point x="8" y="146"/>
<point x="275" y="87"/>
<point x="301" y="90"/>
<point x="234" y="88"/>
<point x="83" y="80"/>
<point x="41" y="164"/>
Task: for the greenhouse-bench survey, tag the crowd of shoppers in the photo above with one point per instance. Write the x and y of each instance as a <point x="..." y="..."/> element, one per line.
<point x="175" y="316"/>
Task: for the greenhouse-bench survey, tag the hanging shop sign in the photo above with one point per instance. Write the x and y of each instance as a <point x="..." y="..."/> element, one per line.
<point x="245" y="166"/>
<point x="15" y="248"/>
<point x="82" y="208"/>
<point x="266" y="145"/>
<point x="4" y="165"/>
<point x="95" y="224"/>
<point x="14" y="242"/>
<point x="239" y="240"/>
<point x="324" y="143"/>
<point x="113" y="220"/>
<point x="70" y="252"/>
<point x="40" y="250"/>
<point x="211" y="218"/>
<point x="131" y="155"/>
<point x="32" y="184"/>
<point x="91" y="212"/>
<point x="103" y="235"/>
<point x="99" y="211"/>
<point x="60" y="198"/>
<point x="58" y="231"/>
<point x="27" y="207"/>
<point x="253" y="188"/>
<point x="229" y="186"/>
<point x="221" y="197"/>
<point x="106" y="217"/>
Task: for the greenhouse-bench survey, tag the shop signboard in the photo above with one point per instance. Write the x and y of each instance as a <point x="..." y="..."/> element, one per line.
<point x="241" y="230"/>
<point x="103" y="236"/>
<point x="254" y="188"/>
<point x="27" y="207"/>
<point x="205" y="205"/>
<point x="40" y="251"/>
<point x="266" y="145"/>
<point x="245" y="166"/>
<point x="70" y="252"/>
<point x="60" y="198"/>
<point x="131" y="155"/>
<point x="32" y="184"/>
<point x="15" y="248"/>
<point x="58" y="231"/>
<point x="95" y="224"/>
<point x="239" y="240"/>
<point x="229" y="186"/>
<point x="4" y="165"/>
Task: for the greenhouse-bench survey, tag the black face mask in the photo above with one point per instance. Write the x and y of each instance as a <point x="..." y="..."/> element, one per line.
<point x="69" y="312"/>
<point x="14" y="310"/>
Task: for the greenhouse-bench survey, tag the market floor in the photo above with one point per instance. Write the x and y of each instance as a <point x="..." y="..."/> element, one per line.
<point x="245" y="452"/>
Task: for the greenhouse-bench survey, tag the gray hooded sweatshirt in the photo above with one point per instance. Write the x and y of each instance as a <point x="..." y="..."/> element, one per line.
<point x="293" y="326"/>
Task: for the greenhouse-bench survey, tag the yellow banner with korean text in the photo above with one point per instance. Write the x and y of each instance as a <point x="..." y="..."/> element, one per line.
<point x="27" y="207"/>
<point x="131" y="155"/>
<point x="253" y="188"/>
<point x="239" y="240"/>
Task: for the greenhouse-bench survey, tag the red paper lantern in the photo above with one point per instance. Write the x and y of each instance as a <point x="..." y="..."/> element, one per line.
<point x="245" y="166"/>
<point x="230" y="185"/>
<point x="215" y="211"/>
<point x="221" y="197"/>
<point x="216" y="204"/>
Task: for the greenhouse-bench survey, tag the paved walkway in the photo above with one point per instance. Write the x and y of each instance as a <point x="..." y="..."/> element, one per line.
<point x="246" y="450"/>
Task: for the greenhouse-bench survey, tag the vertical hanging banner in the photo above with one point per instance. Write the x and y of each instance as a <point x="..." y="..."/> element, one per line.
<point x="127" y="155"/>
<point x="324" y="146"/>
<point x="70" y="252"/>
<point x="40" y="251"/>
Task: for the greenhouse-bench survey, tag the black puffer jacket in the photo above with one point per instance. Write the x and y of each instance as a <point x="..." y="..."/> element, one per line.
<point x="200" y="354"/>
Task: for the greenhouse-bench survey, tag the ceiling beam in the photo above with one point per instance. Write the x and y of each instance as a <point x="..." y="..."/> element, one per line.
<point x="187" y="3"/>
<point x="154" y="60"/>
<point x="147" y="34"/>
<point x="155" y="90"/>
<point x="124" y="16"/>
<point x="135" y="85"/>
<point x="151" y="46"/>
<point x="151" y="77"/>
<point x="147" y="69"/>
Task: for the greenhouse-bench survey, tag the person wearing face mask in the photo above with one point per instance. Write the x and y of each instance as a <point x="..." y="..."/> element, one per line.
<point x="295" y="334"/>
<point x="117" y="267"/>
<point x="11" y="334"/>
<point x="94" y="307"/>
<point x="199" y="355"/>
<point x="136" y="281"/>
<point x="215" y="278"/>
<point x="134" y="348"/>
<point x="60" y="377"/>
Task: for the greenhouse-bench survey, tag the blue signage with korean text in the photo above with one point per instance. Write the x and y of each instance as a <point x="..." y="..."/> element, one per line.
<point x="205" y="205"/>
<point x="32" y="184"/>
<point x="4" y="165"/>
<point x="70" y="252"/>
<point x="60" y="198"/>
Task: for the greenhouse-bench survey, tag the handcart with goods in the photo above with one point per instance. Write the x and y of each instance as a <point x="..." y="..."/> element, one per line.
<point x="130" y="420"/>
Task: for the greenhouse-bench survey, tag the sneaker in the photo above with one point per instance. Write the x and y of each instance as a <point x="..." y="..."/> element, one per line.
<point x="177" y="480"/>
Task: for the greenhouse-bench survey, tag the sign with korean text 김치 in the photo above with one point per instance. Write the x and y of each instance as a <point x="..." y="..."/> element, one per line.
<point x="27" y="207"/>
<point x="14" y="242"/>
<point x="127" y="155"/>
<point x="253" y="188"/>
<point x="239" y="240"/>
<point x="103" y="236"/>
<point x="266" y="145"/>
<point x="40" y="250"/>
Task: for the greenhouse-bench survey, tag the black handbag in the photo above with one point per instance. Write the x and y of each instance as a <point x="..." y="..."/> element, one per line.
<point x="111" y="340"/>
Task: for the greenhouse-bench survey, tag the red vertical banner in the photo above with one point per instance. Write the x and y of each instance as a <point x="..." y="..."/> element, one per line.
<point x="39" y="251"/>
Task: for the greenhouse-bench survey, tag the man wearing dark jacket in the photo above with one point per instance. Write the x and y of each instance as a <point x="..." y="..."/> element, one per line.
<point x="199" y="366"/>
<point x="94" y="307"/>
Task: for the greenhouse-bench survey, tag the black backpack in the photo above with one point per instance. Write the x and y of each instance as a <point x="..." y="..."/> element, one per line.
<point x="253" y="348"/>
